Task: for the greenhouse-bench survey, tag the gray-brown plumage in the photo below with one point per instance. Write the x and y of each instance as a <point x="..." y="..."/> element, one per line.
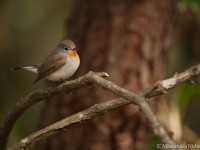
<point x="60" y="64"/>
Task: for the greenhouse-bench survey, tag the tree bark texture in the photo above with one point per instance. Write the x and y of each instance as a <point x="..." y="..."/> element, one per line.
<point x="129" y="40"/>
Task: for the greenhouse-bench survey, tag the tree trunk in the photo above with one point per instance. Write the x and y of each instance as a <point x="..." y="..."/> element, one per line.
<point x="129" y="40"/>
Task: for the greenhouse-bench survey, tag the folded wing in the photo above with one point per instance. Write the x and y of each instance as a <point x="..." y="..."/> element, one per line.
<point x="50" y="65"/>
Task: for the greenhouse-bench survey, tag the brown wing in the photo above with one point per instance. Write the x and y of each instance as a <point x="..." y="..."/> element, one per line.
<point x="50" y="65"/>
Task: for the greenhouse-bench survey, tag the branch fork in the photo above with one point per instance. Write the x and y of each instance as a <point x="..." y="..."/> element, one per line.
<point x="127" y="97"/>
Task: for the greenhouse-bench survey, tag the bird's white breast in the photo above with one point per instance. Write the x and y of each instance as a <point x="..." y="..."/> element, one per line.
<point x="65" y="71"/>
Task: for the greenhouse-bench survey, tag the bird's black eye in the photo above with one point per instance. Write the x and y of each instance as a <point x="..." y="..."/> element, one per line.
<point x="66" y="48"/>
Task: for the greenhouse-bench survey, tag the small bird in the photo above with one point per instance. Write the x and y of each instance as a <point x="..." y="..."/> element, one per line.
<point x="59" y="65"/>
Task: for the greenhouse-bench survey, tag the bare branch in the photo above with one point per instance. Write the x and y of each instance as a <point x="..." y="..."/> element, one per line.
<point x="38" y="96"/>
<point x="100" y="109"/>
<point x="84" y="81"/>
<point x="141" y="102"/>
<point x="176" y="80"/>
<point x="96" y="110"/>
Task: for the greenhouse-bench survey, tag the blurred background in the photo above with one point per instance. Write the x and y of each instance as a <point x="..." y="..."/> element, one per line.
<point x="30" y="29"/>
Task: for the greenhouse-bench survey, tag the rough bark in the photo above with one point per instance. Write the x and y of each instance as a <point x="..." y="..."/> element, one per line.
<point x="128" y="39"/>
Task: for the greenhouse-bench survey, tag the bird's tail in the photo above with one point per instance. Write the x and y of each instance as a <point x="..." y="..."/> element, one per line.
<point x="32" y="68"/>
<point x="16" y="68"/>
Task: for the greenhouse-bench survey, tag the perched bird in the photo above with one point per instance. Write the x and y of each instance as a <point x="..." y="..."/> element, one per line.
<point x="59" y="65"/>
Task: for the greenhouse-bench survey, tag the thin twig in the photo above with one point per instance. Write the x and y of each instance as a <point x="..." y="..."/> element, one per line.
<point x="100" y="109"/>
<point x="43" y="134"/>
<point x="176" y="80"/>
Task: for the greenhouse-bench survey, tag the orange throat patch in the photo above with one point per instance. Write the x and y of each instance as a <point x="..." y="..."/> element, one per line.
<point x="74" y="55"/>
